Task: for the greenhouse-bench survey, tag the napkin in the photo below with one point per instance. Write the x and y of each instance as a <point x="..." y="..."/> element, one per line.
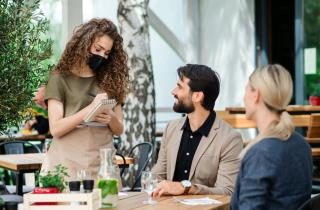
<point x="198" y="201"/>
<point x="122" y="194"/>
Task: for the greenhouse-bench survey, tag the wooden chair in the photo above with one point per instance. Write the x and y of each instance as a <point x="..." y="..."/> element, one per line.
<point x="313" y="138"/>
<point x="313" y="133"/>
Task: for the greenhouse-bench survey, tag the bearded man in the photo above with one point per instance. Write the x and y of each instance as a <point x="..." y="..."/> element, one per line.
<point x="199" y="153"/>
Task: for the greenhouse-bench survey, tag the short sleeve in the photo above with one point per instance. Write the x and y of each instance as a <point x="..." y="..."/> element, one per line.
<point x="54" y="88"/>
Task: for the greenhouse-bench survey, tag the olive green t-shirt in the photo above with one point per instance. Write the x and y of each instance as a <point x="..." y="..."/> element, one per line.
<point x="73" y="91"/>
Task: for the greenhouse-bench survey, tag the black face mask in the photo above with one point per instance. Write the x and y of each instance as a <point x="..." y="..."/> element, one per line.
<point x="95" y="62"/>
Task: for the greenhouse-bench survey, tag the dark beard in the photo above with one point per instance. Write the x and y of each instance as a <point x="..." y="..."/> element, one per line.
<point x="183" y="108"/>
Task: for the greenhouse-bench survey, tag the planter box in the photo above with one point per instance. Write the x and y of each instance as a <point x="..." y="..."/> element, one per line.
<point x="48" y="190"/>
<point x="65" y="201"/>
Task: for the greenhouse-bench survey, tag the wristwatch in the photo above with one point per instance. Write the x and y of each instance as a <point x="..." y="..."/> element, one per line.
<point x="187" y="185"/>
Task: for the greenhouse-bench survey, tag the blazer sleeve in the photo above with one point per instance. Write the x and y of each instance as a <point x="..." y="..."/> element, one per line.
<point x="228" y="167"/>
<point x="160" y="168"/>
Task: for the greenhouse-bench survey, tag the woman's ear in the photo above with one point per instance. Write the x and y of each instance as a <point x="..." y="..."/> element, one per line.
<point x="256" y="96"/>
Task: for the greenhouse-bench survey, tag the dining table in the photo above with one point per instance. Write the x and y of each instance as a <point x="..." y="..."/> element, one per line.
<point x="134" y="200"/>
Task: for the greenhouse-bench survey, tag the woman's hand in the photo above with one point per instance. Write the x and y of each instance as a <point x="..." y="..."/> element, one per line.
<point x="106" y="117"/>
<point x="98" y="99"/>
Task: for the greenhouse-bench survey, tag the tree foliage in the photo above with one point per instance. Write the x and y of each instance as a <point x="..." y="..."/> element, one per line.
<point x="23" y="50"/>
<point x="312" y="27"/>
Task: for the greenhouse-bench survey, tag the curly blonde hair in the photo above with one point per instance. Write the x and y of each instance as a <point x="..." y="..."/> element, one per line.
<point x="114" y="76"/>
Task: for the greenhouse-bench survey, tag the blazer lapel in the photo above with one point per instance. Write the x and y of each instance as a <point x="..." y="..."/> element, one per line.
<point x="203" y="145"/>
<point x="174" y="148"/>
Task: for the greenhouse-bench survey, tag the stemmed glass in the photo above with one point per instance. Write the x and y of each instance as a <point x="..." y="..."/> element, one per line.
<point x="82" y="175"/>
<point x="148" y="184"/>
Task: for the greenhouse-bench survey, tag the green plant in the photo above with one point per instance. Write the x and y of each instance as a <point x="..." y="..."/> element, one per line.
<point x="24" y="49"/>
<point x="312" y="82"/>
<point x="55" y="178"/>
<point x="315" y="89"/>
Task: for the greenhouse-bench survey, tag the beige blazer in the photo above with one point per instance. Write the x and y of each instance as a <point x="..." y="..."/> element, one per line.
<point x="215" y="164"/>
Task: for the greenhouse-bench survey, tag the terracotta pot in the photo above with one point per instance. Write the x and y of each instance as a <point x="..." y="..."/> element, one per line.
<point x="314" y="100"/>
<point x="48" y="190"/>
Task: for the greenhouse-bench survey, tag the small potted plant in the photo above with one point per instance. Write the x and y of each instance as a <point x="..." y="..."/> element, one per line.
<point x="51" y="182"/>
<point x="314" y="98"/>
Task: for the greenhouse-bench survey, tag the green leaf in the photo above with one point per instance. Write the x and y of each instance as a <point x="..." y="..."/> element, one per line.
<point x="24" y="51"/>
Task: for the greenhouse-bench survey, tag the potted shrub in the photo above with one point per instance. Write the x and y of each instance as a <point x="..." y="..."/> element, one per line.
<point x="24" y="51"/>
<point x="51" y="182"/>
<point x="314" y="98"/>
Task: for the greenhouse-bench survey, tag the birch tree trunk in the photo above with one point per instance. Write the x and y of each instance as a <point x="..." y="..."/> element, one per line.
<point x="139" y="109"/>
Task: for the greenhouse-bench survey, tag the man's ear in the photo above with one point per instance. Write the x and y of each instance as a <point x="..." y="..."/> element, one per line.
<point x="197" y="96"/>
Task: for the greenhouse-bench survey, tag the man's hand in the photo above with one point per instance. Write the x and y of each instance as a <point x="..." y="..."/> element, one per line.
<point x="168" y="188"/>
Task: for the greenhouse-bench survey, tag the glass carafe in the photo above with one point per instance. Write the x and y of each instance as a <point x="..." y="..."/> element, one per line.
<point x="108" y="176"/>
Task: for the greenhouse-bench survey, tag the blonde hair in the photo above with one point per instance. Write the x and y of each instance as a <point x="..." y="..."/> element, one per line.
<point x="275" y="85"/>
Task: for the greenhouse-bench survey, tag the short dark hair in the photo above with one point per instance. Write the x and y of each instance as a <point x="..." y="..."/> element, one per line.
<point x="204" y="79"/>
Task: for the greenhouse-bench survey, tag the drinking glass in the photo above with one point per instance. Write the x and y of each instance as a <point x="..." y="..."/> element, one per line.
<point x="83" y="174"/>
<point x="148" y="184"/>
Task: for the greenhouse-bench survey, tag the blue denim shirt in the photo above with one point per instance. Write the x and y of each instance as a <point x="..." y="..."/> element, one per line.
<point x="274" y="174"/>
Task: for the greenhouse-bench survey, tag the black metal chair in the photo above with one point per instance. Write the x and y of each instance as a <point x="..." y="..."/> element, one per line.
<point x="311" y="204"/>
<point x="18" y="147"/>
<point x="116" y="141"/>
<point x="143" y="152"/>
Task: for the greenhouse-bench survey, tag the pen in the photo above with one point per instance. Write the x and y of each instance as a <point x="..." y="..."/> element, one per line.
<point x="92" y="94"/>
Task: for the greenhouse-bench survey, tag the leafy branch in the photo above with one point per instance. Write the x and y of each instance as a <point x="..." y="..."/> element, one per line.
<point x="24" y="50"/>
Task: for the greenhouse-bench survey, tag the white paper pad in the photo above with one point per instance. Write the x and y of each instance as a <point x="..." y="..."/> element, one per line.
<point x="198" y="201"/>
<point x="122" y="194"/>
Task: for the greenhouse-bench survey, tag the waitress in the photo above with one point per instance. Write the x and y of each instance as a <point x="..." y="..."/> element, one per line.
<point x="93" y="63"/>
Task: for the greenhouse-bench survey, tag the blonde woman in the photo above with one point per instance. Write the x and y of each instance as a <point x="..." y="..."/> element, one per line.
<point x="276" y="168"/>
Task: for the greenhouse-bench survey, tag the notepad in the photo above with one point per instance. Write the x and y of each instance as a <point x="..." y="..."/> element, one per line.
<point x="99" y="108"/>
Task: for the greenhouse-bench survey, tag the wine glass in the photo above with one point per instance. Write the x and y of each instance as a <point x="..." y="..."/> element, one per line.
<point x="83" y="174"/>
<point x="148" y="184"/>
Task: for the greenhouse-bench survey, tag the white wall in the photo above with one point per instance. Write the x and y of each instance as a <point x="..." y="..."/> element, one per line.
<point x="227" y="45"/>
<point x="100" y="9"/>
<point x="164" y="60"/>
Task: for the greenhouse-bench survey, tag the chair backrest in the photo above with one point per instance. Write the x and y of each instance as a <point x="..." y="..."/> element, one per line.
<point x="311" y="204"/>
<point x="144" y="151"/>
<point x="18" y="147"/>
<point x="314" y="126"/>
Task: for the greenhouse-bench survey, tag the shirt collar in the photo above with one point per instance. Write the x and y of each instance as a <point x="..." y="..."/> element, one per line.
<point x="205" y="127"/>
